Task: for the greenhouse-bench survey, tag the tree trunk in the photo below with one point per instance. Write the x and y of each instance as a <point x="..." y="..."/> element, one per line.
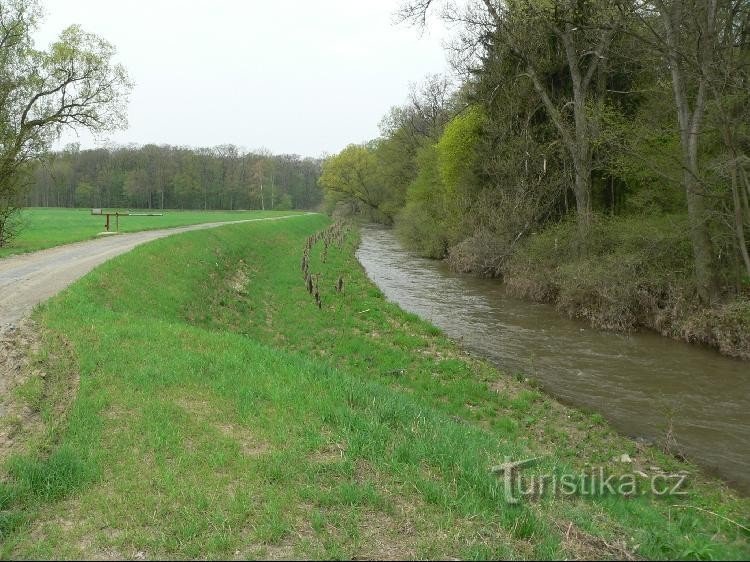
<point x="745" y="193"/>
<point x="582" y="190"/>
<point x="578" y="143"/>
<point x="690" y="123"/>
<point x="581" y="151"/>
<point x="739" y="226"/>
<point x="705" y="276"/>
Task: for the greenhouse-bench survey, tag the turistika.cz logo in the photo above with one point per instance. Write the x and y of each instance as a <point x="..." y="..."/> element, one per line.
<point x="595" y="482"/>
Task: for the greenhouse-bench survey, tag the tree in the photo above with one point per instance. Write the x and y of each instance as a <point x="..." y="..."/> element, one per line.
<point x="729" y="111"/>
<point x="457" y="148"/>
<point x="74" y="83"/>
<point x="174" y="177"/>
<point x="353" y="175"/>
<point x="581" y="30"/>
<point x="136" y="188"/>
<point x="187" y="181"/>
<point x="258" y="175"/>
<point x="231" y="172"/>
<point x="85" y="193"/>
<point x="687" y="35"/>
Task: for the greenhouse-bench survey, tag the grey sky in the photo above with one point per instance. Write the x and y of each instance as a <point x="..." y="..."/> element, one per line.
<point x="293" y="76"/>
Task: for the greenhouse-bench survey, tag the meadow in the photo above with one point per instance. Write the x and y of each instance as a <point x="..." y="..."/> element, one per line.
<point x="195" y="401"/>
<point x="46" y="227"/>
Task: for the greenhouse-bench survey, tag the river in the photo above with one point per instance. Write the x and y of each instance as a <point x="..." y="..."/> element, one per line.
<point x="637" y="381"/>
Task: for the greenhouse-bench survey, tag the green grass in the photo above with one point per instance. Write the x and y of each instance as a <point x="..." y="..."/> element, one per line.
<point x="221" y="414"/>
<point x="46" y="227"/>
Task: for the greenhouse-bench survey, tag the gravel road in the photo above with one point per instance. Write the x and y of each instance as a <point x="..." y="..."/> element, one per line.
<point x="28" y="279"/>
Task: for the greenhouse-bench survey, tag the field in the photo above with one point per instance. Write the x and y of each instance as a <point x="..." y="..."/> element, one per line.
<point x="46" y="227"/>
<point x="192" y="400"/>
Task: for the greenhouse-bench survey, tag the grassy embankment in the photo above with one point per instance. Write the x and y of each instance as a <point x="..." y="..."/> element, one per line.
<point x="220" y="413"/>
<point x="46" y="227"/>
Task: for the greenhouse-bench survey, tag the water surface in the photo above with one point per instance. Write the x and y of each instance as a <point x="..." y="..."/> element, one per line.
<point x="637" y="381"/>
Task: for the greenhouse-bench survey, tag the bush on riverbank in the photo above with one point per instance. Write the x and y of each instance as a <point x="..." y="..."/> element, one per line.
<point x="631" y="272"/>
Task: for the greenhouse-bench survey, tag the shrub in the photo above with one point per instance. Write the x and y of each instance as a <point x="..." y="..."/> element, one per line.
<point x="726" y="327"/>
<point x="625" y="273"/>
<point x="631" y="272"/>
<point x="419" y="229"/>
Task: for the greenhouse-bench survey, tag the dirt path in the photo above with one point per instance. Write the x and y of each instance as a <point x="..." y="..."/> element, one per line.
<point x="28" y="279"/>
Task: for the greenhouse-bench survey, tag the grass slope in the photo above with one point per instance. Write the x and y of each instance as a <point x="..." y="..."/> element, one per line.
<point x="220" y="413"/>
<point x="46" y="227"/>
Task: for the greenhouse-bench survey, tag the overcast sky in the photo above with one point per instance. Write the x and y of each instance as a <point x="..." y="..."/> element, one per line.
<point x="295" y="76"/>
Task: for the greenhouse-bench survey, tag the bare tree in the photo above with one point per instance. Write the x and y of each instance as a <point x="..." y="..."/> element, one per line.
<point x="428" y="109"/>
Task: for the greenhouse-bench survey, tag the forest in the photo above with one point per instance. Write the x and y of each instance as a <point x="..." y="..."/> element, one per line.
<point x="171" y="177"/>
<point x="594" y="155"/>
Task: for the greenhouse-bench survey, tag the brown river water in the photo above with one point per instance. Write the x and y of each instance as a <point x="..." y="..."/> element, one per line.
<point x="637" y="381"/>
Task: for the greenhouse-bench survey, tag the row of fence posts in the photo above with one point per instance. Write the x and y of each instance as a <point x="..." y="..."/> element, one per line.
<point x="335" y="234"/>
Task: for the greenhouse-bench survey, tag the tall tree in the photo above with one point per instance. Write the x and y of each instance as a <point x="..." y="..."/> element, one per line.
<point x="582" y="31"/>
<point x="729" y="80"/>
<point x="74" y="83"/>
<point x="353" y="174"/>
<point x="686" y="34"/>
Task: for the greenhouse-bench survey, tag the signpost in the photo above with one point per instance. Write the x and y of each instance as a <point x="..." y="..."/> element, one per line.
<point x="117" y="215"/>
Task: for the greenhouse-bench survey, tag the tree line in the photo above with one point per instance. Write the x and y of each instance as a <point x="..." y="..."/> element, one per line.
<point x="171" y="177"/>
<point x="571" y="111"/>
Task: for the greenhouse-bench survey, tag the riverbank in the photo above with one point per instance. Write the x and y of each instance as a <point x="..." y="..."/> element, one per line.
<point x="631" y="273"/>
<point x="644" y="384"/>
<point x="222" y="413"/>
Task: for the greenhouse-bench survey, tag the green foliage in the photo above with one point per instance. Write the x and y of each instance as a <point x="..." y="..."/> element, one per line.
<point x="542" y="130"/>
<point x="352" y="173"/>
<point x="552" y="264"/>
<point x="74" y="83"/>
<point x="389" y="164"/>
<point x="645" y="158"/>
<point x="353" y="176"/>
<point x="423" y="223"/>
<point x="457" y="149"/>
<point x="85" y="194"/>
<point x="283" y="203"/>
<point x="631" y="272"/>
<point x="398" y="167"/>
<point x="432" y="218"/>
